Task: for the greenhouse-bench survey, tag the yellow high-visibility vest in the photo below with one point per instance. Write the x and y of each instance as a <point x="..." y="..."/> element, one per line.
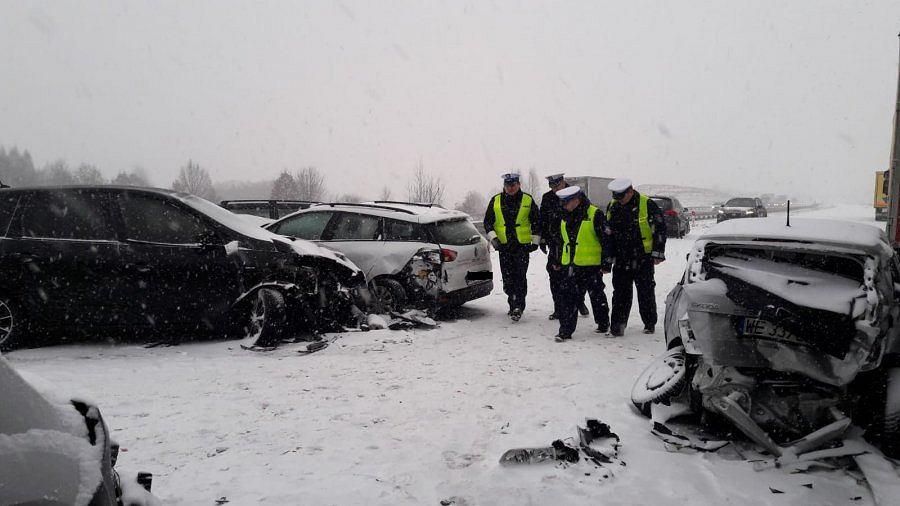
<point x="588" y="250"/>
<point x="523" y="220"/>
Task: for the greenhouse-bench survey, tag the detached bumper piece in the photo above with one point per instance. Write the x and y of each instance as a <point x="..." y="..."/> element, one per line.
<point x="729" y="407"/>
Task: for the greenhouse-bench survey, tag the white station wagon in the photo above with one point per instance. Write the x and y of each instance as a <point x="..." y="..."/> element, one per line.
<point x="412" y="254"/>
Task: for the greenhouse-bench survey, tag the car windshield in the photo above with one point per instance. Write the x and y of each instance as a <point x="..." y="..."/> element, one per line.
<point x="741" y="202"/>
<point x="459" y="232"/>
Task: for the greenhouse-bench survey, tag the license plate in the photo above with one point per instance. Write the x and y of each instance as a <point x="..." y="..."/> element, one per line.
<point x="766" y="329"/>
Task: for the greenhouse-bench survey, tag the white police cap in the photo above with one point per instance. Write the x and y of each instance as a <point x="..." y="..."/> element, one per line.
<point x="620" y="185"/>
<point x="555" y="178"/>
<point x="568" y="193"/>
<point x="511" y="177"/>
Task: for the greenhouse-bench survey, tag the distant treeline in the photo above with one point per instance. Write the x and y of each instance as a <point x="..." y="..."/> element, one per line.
<point x="308" y="183"/>
<point x="17" y="169"/>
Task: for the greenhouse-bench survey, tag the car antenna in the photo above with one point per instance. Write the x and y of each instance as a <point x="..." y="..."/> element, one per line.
<point x="788" y="213"/>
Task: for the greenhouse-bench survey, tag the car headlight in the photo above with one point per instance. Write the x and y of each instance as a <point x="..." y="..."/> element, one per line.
<point x="749" y="212"/>
<point x="720" y="211"/>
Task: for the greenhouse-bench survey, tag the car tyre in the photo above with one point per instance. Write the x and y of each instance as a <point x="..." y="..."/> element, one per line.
<point x="664" y="379"/>
<point x="265" y="318"/>
<point x="387" y="295"/>
<point x="11" y="324"/>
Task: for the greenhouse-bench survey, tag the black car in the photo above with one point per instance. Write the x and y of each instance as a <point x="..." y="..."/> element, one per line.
<point x="742" y="207"/>
<point x="58" y="451"/>
<point x="272" y="209"/>
<point x="92" y="258"/>
<point x="678" y="222"/>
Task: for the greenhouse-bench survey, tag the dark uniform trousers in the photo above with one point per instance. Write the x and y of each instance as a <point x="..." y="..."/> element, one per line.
<point x="556" y="279"/>
<point x="637" y="272"/>
<point x="513" y="268"/>
<point x="574" y="281"/>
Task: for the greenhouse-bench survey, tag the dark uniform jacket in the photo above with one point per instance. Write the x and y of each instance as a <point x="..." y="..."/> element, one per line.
<point x="573" y="223"/>
<point x="626" y="244"/>
<point x="509" y="205"/>
<point x="551" y="214"/>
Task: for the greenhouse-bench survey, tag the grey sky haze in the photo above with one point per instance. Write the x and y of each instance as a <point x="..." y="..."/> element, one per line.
<point x="766" y="96"/>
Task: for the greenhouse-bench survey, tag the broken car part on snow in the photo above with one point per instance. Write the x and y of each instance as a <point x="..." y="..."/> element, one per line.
<point x="596" y="441"/>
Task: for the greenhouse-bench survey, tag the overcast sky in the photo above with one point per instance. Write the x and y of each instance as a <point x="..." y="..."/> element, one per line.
<point x="757" y="96"/>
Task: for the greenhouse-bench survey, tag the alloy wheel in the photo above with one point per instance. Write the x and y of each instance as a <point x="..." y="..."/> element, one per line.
<point x="7" y="322"/>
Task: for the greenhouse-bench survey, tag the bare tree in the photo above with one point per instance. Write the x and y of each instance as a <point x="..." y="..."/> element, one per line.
<point x="194" y="179"/>
<point x="385" y="193"/>
<point x="425" y="188"/>
<point x="472" y="204"/>
<point x="130" y="179"/>
<point x="310" y="184"/>
<point x="88" y="174"/>
<point x="56" y="173"/>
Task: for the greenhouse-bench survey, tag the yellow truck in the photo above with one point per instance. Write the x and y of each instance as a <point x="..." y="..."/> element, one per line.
<point x="882" y="190"/>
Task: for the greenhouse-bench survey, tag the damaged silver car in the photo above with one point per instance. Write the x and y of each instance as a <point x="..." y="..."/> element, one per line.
<point x="787" y="333"/>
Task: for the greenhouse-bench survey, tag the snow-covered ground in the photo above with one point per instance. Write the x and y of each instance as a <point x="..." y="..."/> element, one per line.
<point x="413" y="417"/>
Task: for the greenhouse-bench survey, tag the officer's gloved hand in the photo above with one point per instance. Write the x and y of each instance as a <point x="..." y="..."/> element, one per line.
<point x="495" y="243"/>
<point x="544" y="248"/>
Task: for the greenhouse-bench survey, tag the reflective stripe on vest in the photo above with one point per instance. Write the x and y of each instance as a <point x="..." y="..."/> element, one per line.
<point x="643" y="222"/>
<point x="523" y="221"/>
<point x="587" y="245"/>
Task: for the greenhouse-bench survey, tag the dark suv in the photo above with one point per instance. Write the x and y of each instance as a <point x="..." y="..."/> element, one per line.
<point x="85" y="258"/>
<point x="678" y="222"/>
<point x="742" y="207"/>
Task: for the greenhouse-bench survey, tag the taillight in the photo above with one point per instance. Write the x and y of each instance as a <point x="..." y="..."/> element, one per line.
<point x="671" y="212"/>
<point x="448" y="255"/>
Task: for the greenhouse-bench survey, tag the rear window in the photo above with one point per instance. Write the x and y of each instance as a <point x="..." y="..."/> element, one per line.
<point x="76" y="214"/>
<point x="455" y="232"/>
<point x="846" y="267"/>
<point x="7" y="206"/>
<point x="664" y="204"/>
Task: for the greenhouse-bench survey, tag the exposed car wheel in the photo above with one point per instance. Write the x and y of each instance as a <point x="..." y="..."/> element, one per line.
<point x="265" y="318"/>
<point x="662" y="380"/>
<point x="11" y="324"/>
<point x="387" y="295"/>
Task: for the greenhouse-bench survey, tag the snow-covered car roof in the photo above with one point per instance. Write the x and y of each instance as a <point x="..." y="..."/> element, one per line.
<point x="419" y="213"/>
<point x="844" y="234"/>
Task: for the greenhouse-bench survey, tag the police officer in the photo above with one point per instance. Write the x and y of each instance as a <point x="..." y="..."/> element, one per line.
<point x="512" y="222"/>
<point x="637" y="243"/>
<point x="583" y="233"/>
<point x="551" y="213"/>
